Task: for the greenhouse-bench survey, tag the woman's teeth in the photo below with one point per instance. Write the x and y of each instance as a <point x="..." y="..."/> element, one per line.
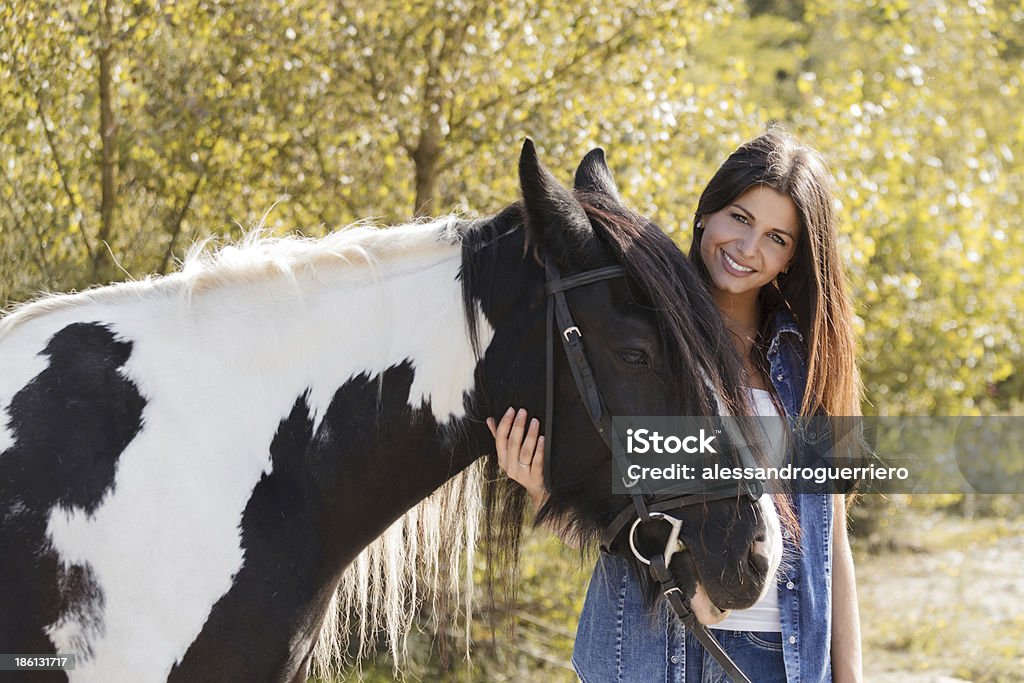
<point x="732" y="263"/>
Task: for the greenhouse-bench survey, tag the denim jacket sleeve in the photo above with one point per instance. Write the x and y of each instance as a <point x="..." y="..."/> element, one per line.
<point x="620" y="639"/>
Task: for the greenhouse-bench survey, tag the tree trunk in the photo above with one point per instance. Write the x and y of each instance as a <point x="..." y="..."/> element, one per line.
<point x="427" y="154"/>
<point x="102" y="259"/>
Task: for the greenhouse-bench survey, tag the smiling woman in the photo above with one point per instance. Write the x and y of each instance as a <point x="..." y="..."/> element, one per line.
<point x="745" y="246"/>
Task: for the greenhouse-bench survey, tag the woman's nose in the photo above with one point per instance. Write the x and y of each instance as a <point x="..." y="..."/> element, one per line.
<point x="747" y="245"/>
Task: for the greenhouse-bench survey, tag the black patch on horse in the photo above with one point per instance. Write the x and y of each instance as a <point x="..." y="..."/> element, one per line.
<point x="70" y="425"/>
<point x="324" y="489"/>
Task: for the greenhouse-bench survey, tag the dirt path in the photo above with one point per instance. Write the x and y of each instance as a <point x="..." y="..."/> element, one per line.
<point x="948" y="606"/>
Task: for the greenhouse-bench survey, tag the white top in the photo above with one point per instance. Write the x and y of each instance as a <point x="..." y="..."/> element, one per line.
<point x="764" y="614"/>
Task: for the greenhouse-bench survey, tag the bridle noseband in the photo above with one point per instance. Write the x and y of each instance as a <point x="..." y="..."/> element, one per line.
<point x="641" y="511"/>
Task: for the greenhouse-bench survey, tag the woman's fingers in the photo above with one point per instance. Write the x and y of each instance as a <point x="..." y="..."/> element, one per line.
<point x="537" y="466"/>
<point x="515" y="438"/>
<point x="526" y="451"/>
<point x="538" y="494"/>
<point x="520" y="449"/>
<point x="501" y="438"/>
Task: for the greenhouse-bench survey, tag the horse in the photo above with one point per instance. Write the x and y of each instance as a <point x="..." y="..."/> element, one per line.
<point x="189" y="463"/>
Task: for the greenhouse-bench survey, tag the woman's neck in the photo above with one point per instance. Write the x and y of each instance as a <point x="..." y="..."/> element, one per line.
<point x="741" y="313"/>
<point x="742" y="317"/>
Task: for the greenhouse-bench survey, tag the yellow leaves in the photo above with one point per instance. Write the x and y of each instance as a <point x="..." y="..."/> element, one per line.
<point x="683" y="84"/>
<point x="805" y="83"/>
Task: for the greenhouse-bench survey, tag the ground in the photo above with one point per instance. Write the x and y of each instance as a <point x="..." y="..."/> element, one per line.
<point x="946" y="603"/>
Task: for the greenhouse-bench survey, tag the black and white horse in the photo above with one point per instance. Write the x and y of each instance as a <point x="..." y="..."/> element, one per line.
<point x="189" y="464"/>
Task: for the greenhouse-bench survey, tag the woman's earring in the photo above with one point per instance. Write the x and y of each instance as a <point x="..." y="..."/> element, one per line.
<point x="699" y="226"/>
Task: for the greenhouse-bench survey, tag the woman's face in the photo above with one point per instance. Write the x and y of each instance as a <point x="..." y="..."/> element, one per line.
<point x="750" y="241"/>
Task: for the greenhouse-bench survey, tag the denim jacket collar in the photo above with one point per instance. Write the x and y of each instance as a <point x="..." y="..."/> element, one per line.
<point x="787" y="362"/>
<point x="783" y="323"/>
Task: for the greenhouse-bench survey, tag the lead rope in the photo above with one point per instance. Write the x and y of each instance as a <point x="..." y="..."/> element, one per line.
<point x="674" y="595"/>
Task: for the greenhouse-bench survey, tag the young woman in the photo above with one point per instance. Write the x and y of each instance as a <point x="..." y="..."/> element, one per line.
<point x="765" y="241"/>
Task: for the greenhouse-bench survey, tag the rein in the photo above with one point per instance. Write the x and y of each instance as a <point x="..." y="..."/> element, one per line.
<point x="642" y="511"/>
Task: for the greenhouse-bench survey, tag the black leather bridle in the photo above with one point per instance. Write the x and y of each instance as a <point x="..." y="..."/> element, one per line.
<point x="642" y="511"/>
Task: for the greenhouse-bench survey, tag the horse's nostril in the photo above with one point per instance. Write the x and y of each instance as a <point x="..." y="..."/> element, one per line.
<point x="761" y="537"/>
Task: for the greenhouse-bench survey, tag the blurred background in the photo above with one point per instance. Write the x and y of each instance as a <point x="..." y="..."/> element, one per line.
<point x="128" y="130"/>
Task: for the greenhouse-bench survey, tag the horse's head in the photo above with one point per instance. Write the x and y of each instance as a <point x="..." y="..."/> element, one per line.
<point x="656" y="345"/>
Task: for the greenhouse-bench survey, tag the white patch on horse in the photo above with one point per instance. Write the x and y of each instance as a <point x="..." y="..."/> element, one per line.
<point x="219" y="353"/>
<point x="706" y="611"/>
<point x="772" y="547"/>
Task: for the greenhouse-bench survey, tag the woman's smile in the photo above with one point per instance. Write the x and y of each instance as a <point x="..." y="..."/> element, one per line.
<point x="735" y="267"/>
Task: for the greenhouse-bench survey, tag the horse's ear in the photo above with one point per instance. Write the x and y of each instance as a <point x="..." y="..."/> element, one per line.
<point x="554" y="219"/>
<point x="593" y="175"/>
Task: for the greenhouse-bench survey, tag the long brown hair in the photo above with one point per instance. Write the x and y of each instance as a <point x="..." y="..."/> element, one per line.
<point x="815" y="289"/>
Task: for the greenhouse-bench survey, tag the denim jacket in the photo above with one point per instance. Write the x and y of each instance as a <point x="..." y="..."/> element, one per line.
<point x="619" y="639"/>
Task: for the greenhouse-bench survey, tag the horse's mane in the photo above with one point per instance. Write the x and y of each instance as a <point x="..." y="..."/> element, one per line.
<point x="257" y="257"/>
<point x="428" y="552"/>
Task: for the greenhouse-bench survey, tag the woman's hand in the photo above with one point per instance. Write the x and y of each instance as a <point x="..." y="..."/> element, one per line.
<point x="521" y="452"/>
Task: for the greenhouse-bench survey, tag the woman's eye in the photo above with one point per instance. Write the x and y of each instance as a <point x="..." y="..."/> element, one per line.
<point x="634" y="357"/>
<point x="777" y="239"/>
<point x="741" y="218"/>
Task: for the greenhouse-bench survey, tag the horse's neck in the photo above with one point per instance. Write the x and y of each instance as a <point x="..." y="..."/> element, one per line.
<point x="367" y="377"/>
<point x="279" y="419"/>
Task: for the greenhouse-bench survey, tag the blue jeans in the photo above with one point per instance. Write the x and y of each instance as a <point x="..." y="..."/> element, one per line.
<point x="758" y="655"/>
<point x="621" y="640"/>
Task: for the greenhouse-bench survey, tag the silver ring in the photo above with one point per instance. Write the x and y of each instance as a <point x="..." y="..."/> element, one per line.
<point x="522" y="464"/>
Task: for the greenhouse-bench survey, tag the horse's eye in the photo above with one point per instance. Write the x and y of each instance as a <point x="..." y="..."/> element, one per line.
<point x="634" y="357"/>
